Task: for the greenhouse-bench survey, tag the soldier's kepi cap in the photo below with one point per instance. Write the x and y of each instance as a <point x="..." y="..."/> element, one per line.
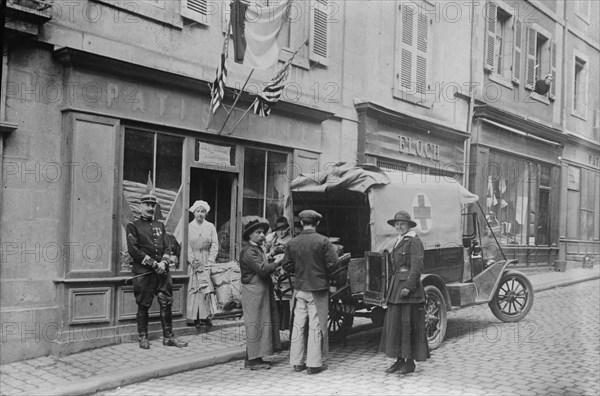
<point x="310" y="214"/>
<point x="149" y="198"/>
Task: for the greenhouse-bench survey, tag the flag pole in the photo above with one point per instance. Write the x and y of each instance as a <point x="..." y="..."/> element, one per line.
<point x="235" y="101"/>
<point x="252" y="104"/>
<point x="242" y="117"/>
<point x="225" y="48"/>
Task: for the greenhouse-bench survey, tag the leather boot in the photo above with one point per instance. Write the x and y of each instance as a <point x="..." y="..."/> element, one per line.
<point x="142" y="326"/>
<point x="166" y="321"/>
<point x="395" y="367"/>
<point x="408" y="367"/>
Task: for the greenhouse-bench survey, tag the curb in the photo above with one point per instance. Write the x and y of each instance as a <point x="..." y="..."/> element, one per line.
<point x="114" y="380"/>
<point x="554" y="285"/>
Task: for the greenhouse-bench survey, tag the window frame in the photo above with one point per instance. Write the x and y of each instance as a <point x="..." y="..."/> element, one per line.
<point x="583" y="10"/>
<point x="410" y="94"/>
<point x="546" y="66"/>
<point x="580" y="111"/>
<point x="504" y="74"/>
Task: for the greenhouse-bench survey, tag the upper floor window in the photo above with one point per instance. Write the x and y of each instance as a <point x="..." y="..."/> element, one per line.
<point x="582" y="9"/>
<point x="540" y="60"/>
<point x="498" y="41"/>
<point x="413" y="51"/>
<point x="196" y="10"/>
<point x="580" y="87"/>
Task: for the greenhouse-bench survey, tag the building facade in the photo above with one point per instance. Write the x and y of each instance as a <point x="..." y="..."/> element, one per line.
<point x="103" y="100"/>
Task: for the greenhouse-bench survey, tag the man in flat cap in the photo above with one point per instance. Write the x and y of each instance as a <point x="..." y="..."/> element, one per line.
<point x="148" y="245"/>
<point x="311" y="257"/>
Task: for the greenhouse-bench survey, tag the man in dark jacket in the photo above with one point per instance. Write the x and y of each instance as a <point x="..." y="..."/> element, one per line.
<point x="311" y="257"/>
<point x="148" y="245"/>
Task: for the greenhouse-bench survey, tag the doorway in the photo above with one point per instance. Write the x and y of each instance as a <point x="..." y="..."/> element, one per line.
<point x="217" y="188"/>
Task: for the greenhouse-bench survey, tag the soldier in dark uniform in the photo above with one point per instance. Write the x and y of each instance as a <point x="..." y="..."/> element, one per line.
<point x="403" y="335"/>
<point x="148" y="245"/>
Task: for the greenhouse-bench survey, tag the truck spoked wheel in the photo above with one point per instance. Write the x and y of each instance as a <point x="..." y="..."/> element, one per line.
<point x="341" y="317"/>
<point x="513" y="298"/>
<point x="435" y="316"/>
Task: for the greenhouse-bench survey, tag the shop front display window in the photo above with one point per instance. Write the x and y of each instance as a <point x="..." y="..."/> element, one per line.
<point x="518" y="200"/>
<point x="151" y="162"/>
<point x="266" y="183"/>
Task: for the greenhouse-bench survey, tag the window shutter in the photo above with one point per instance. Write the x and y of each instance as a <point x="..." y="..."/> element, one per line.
<point x="196" y="10"/>
<point x="531" y="51"/>
<point x="319" y="32"/>
<point x="492" y="9"/>
<point x="553" y="70"/>
<point x="421" y="53"/>
<point x="407" y="39"/>
<point x="518" y="43"/>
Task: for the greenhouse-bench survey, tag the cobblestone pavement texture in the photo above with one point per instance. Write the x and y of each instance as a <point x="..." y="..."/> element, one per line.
<point x="554" y="350"/>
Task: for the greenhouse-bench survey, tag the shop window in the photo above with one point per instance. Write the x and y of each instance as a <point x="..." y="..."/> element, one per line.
<point x="266" y="183"/>
<point x="151" y="161"/>
<point x="518" y="200"/>
<point x="588" y="203"/>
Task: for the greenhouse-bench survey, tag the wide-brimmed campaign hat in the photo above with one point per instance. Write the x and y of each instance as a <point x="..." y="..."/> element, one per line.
<point x="253" y="225"/>
<point x="281" y="224"/>
<point x="402" y="216"/>
<point x="149" y="198"/>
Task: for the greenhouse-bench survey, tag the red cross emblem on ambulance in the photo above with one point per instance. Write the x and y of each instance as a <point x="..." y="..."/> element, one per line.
<point x="421" y="208"/>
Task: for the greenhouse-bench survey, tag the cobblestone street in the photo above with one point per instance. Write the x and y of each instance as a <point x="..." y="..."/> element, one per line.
<point x="554" y="351"/>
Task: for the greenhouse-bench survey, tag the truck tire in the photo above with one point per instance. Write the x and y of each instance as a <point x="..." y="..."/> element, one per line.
<point x="435" y="316"/>
<point x="513" y="297"/>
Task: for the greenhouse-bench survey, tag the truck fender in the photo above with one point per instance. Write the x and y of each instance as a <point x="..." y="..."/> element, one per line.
<point x="435" y="280"/>
<point x="488" y="281"/>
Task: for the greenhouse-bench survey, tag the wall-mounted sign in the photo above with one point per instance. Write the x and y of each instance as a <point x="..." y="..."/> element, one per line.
<point x="419" y="148"/>
<point x="213" y="154"/>
<point x="574" y="177"/>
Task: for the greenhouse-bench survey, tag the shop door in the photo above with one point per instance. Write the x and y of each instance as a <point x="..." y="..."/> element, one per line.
<point x="218" y="189"/>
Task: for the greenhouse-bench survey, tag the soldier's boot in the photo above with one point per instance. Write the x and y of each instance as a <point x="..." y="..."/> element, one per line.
<point x="142" y="326"/>
<point x="166" y="320"/>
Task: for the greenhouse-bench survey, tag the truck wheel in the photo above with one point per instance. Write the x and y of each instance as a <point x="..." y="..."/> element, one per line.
<point x="513" y="298"/>
<point x="341" y="317"/>
<point x="435" y="316"/>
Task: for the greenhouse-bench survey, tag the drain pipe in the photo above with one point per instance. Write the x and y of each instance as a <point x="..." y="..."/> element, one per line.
<point x="467" y="144"/>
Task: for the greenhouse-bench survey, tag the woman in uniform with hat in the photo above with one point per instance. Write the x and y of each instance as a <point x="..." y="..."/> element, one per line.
<point x="261" y="319"/>
<point x="203" y="246"/>
<point x="403" y="335"/>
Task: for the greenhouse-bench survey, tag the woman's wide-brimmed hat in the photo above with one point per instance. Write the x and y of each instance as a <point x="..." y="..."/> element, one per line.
<point x="253" y="225"/>
<point x="281" y="224"/>
<point x="402" y="216"/>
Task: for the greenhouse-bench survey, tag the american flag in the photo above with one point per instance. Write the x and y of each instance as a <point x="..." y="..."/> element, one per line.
<point x="217" y="89"/>
<point x="270" y="95"/>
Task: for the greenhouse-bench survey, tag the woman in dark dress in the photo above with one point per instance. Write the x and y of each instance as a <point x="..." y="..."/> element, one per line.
<point x="403" y="336"/>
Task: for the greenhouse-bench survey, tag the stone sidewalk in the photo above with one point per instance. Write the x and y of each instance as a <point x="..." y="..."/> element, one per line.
<point x="117" y="365"/>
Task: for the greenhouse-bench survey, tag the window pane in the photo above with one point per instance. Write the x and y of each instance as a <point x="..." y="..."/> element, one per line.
<point x="139" y="155"/>
<point x="254" y="182"/>
<point x="277" y="185"/>
<point x="542" y="223"/>
<point x="572" y="213"/>
<point x="169" y="154"/>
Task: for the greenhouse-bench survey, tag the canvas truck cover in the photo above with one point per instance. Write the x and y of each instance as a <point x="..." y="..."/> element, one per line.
<point x="434" y="202"/>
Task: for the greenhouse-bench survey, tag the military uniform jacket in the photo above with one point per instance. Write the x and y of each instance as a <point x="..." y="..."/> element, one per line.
<point x="146" y="239"/>
<point x="311" y="257"/>
<point x="406" y="267"/>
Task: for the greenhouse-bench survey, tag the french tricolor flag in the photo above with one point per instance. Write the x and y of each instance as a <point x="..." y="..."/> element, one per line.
<point x="255" y="31"/>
